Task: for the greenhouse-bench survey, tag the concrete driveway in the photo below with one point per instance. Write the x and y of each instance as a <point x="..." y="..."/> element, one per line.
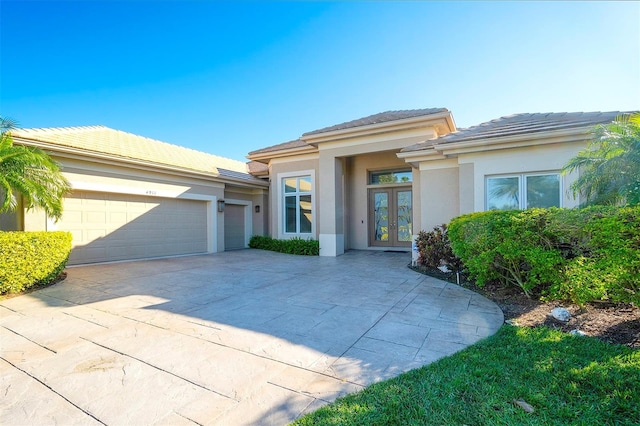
<point x="241" y="337"/>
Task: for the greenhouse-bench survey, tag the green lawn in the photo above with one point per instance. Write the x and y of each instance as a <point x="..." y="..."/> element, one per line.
<point x="567" y="379"/>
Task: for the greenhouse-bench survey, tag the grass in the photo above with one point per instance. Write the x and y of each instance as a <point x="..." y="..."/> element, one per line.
<point x="569" y="380"/>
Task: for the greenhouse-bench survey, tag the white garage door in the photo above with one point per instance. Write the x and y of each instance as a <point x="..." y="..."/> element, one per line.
<point x="234" y="237"/>
<point x="110" y="227"/>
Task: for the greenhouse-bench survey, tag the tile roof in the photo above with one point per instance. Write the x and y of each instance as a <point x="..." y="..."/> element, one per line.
<point x="379" y="118"/>
<point x="520" y="124"/>
<point x="104" y="140"/>
<point x="371" y="119"/>
<point x="257" y="168"/>
<point x="298" y="143"/>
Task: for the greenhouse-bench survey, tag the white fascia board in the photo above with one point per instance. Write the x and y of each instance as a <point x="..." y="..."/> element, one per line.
<point x="421" y="155"/>
<point x="267" y="156"/>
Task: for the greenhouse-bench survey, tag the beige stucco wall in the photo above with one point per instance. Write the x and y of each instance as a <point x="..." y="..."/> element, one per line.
<point x="439" y="195"/>
<point x="341" y="185"/>
<point x="146" y="182"/>
<point x="86" y="175"/>
<point x="110" y="178"/>
<point x="467" y="188"/>
<point x="290" y="166"/>
<point x="364" y="145"/>
<point x="344" y="189"/>
<point x="454" y="186"/>
<point x="533" y="159"/>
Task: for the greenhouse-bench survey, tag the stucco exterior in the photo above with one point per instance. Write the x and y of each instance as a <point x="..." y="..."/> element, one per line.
<point x="366" y="184"/>
<point x="340" y="160"/>
<point x="131" y="206"/>
<point x="449" y="167"/>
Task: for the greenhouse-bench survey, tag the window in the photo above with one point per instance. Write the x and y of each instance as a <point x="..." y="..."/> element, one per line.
<point x="393" y="176"/>
<point x="523" y="191"/>
<point x="297" y="193"/>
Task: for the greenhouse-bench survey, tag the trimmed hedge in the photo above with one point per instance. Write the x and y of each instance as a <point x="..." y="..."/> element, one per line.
<point x="299" y="246"/>
<point x="31" y="258"/>
<point x="580" y="255"/>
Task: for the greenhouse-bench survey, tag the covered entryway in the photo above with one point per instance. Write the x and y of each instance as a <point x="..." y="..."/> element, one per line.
<point x="234" y="227"/>
<point x="110" y="227"/>
<point x="390" y="213"/>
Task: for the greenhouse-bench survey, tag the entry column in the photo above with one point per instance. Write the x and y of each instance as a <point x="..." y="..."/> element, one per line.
<point x="331" y="232"/>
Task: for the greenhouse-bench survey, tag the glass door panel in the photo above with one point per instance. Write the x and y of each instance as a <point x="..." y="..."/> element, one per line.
<point x="403" y="216"/>
<point x="390" y="217"/>
<point x="381" y="216"/>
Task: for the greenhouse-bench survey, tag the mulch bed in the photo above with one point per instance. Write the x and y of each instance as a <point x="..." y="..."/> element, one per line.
<point x="609" y="322"/>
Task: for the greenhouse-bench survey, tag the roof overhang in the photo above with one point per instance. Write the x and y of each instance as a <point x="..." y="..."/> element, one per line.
<point x="265" y="157"/>
<point x="440" y="151"/>
<point x="442" y="122"/>
<point x="83" y="154"/>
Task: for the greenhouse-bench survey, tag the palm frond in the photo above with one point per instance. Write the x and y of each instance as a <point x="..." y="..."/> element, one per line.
<point x="609" y="167"/>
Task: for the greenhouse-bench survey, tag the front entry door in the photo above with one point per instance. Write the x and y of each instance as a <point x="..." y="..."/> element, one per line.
<point x="390" y="217"/>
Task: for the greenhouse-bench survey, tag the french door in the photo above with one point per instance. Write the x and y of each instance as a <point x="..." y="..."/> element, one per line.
<point x="390" y="211"/>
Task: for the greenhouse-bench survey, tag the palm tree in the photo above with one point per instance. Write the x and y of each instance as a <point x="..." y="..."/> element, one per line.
<point x="30" y="173"/>
<point x="610" y="165"/>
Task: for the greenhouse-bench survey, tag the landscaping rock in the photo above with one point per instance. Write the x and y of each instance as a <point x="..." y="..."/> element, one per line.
<point x="561" y="314"/>
<point x="577" y="332"/>
<point x="444" y="269"/>
<point x="524" y="405"/>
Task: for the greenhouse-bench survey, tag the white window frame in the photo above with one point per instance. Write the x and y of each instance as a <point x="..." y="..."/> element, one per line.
<point x="281" y="178"/>
<point x="522" y="188"/>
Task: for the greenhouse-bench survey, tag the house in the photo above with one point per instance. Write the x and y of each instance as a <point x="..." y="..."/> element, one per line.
<point x="375" y="182"/>
<point x="368" y="184"/>
<point x="135" y="197"/>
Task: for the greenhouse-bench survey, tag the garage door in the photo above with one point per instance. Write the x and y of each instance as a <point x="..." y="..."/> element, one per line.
<point x="234" y="237"/>
<point x="110" y="227"/>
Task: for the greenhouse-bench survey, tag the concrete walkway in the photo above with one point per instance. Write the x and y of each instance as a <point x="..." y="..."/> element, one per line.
<point x="241" y="337"/>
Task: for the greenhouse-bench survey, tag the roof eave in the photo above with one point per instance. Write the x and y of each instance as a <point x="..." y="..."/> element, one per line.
<point x="265" y="157"/>
<point x="441" y="151"/>
<point x="487" y="144"/>
<point x="430" y="120"/>
<point x="78" y="153"/>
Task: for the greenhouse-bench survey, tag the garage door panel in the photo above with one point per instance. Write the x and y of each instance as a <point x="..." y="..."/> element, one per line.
<point x="234" y="228"/>
<point x="109" y="227"/>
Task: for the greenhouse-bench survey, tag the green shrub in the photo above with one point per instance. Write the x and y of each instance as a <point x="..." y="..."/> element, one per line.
<point x="579" y="255"/>
<point x="507" y="246"/>
<point x="434" y="249"/>
<point x="298" y="246"/>
<point x="606" y="261"/>
<point x="31" y="258"/>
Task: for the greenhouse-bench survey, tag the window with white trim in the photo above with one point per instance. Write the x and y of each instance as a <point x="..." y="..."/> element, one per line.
<point x="297" y="205"/>
<point x="523" y="191"/>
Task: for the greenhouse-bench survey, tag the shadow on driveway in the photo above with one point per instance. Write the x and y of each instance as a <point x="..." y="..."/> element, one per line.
<point x="232" y="338"/>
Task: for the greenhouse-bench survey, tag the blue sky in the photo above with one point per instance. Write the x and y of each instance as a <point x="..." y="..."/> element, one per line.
<point x="230" y="77"/>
